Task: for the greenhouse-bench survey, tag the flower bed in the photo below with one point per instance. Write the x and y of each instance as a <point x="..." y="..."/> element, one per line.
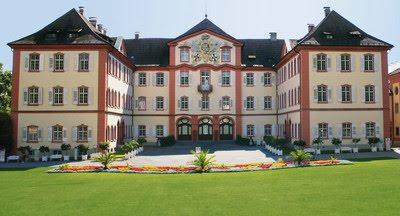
<point x="191" y="169"/>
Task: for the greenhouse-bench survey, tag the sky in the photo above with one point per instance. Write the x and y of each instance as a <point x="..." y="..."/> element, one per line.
<point x="169" y="19"/>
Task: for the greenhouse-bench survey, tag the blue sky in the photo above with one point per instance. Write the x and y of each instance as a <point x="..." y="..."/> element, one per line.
<point x="241" y="19"/>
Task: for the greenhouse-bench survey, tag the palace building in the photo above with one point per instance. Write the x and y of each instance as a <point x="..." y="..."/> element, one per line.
<point x="72" y="83"/>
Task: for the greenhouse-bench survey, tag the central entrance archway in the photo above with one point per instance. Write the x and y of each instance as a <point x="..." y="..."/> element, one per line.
<point x="205" y="129"/>
<point x="184" y="129"/>
<point x="226" y="129"/>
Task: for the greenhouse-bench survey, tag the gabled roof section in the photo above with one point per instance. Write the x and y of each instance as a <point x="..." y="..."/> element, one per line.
<point x="261" y="52"/>
<point x="70" y="28"/>
<point x="335" y="30"/>
<point x="148" y="51"/>
<point x="205" y="24"/>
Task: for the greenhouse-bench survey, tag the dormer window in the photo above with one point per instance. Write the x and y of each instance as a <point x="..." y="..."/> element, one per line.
<point x="184" y="54"/>
<point x="226" y="54"/>
<point x="328" y="35"/>
<point x="51" y="36"/>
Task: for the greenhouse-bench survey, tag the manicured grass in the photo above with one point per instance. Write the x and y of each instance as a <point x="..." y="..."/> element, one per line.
<point x="365" y="188"/>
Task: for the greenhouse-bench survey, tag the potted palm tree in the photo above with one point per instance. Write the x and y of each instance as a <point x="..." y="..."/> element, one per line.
<point x="317" y="142"/>
<point x="300" y="157"/>
<point x="355" y="142"/>
<point x="83" y="150"/>
<point x="44" y="150"/>
<point x="337" y="143"/>
<point x="373" y="141"/>
<point x="65" y="148"/>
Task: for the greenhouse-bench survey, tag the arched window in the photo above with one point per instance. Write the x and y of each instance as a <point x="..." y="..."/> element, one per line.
<point x="83" y="62"/>
<point x="226" y="54"/>
<point x="369" y="62"/>
<point x="323" y="130"/>
<point x="57" y="133"/>
<point x="34" y="62"/>
<point x="59" y="62"/>
<point x="321" y="62"/>
<point x="33" y="95"/>
<point x="267" y="130"/>
<point x="33" y="134"/>
<point x="184" y="54"/>
<point x="183" y="103"/>
<point x="345" y="62"/>
<point x="82" y="133"/>
<point x="226" y="103"/>
<point x="370" y="128"/>
<point x="370" y="94"/>
<point x="322" y="93"/>
<point x="346" y="93"/>
<point x="83" y="95"/>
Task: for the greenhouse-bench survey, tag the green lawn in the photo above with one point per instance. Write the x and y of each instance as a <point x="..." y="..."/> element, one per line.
<point x="365" y="188"/>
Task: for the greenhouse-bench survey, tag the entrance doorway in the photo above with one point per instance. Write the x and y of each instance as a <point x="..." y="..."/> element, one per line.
<point x="184" y="129"/>
<point x="226" y="129"/>
<point x="205" y="129"/>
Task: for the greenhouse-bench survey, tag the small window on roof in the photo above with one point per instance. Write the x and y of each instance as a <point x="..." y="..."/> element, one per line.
<point x="51" y="36"/>
<point x="252" y="56"/>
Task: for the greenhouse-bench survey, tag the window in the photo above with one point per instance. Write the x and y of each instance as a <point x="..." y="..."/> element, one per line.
<point x="250" y="103"/>
<point x="370" y="129"/>
<point x="159" y="103"/>
<point x="142" y="79"/>
<point x="142" y="130"/>
<point x="369" y="62"/>
<point x="82" y="135"/>
<point x="226" y="54"/>
<point x="205" y="103"/>
<point x="160" y="79"/>
<point x="33" y="133"/>
<point x="323" y="130"/>
<point x="33" y="95"/>
<point x="57" y="133"/>
<point x="250" y="130"/>
<point x="322" y="94"/>
<point x="226" y="78"/>
<point x="249" y="79"/>
<point x="346" y="93"/>
<point x="267" y="79"/>
<point x="204" y="77"/>
<point x="397" y="131"/>
<point x="142" y="103"/>
<point x="346" y="130"/>
<point x="83" y="95"/>
<point x="267" y="130"/>
<point x="396" y="90"/>
<point x="184" y="78"/>
<point x="369" y="94"/>
<point x="159" y="131"/>
<point x="184" y="54"/>
<point x="184" y="103"/>
<point x="59" y="62"/>
<point x="226" y="103"/>
<point x="321" y="62"/>
<point x="396" y="108"/>
<point x="83" y="62"/>
<point x="267" y="102"/>
<point x="58" y="95"/>
<point x="34" y="61"/>
<point x="345" y="62"/>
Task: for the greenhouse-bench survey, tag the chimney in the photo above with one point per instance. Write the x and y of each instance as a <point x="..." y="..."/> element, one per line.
<point x="104" y="31"/>
<point x="272" y="36"/>
<point x="310" y="27"/>
<point x="81" y="10"/>
<point x="100" y="27"/>
<point x="327" y="10"/>
<point x="93" y="21"/>
<point x="136" y="35"/>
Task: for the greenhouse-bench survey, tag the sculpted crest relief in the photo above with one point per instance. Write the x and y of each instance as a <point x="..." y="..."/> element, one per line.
<point x="205" y="50"/>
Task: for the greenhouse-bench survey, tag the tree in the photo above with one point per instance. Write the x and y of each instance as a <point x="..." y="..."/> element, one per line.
<point x="5" y="90"/>
<point x="5" y="132"/>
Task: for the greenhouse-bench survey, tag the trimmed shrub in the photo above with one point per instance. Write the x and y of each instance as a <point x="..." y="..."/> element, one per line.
<point x="65" y="147"/>
<point x="44" y="149"/>
<point x="270" y="140"/>
<point x="300" y="157"/>
<point x="242" y="140"/>
<point x="300" y="143"/>
<point x="83" y="150"/>
<point x="373" y="141"/>
<point x="336" y="142"/>
<point x="167" y="141"/>
<point x="130" y="146"/>
<point x="141" y="140"/>
<point x="103" y="146"/>
<point x="5" y="132"/>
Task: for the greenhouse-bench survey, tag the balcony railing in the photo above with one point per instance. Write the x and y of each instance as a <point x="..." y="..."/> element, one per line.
<point x="205" y="88"/>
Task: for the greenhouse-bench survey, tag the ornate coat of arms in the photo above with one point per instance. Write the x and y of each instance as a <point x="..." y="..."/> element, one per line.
<point x="205" y="50"/>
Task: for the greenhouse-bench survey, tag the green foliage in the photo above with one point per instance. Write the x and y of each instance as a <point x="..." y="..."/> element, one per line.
<point x="300" y="156"/>
<point x="65" y="147"/>
<point x="82" y="149"/>
<point x="141" y="140"/>
<point x="373" y="141"/>
<point x="203" y="162"/>
<point x="280" y="143"/>
<point x="336" y="142"/>
<point x="270" y="140"/>
<point x="24" y="149"/>
<point x="167" y="141"/>
<point x="300" y="143"/>
<point x="103" y="146"/>
<point x="5" y="90"/>
<point x="5" y="131"/>
<point x="44" y="149"/>
<point x="242" y="140"/>
<point x="105" y="159"/>
<point x="317" y="141"/>
<point x="356" y="140"/>
<point x="130" y="146"/>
